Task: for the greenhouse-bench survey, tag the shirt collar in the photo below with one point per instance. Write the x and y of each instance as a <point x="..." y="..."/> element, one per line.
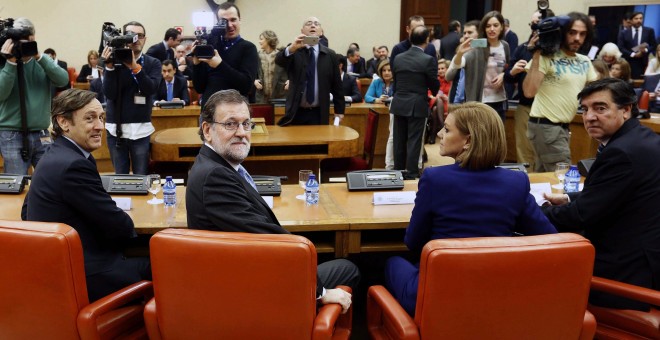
<point x="84" y="152"/>
<point x="232" y="165"/>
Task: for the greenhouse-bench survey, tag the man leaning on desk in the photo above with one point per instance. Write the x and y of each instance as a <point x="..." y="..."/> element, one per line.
<point x="619" y="208"/>
<point x="222" y="196"/>
<point x="66" y="188"/>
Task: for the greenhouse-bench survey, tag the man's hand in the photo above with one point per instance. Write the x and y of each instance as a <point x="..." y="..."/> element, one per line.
<point x="341" y="117"/>
<point x="339" y="296"/>
<point x="296" y="44"/>
<point x="556" y="199"/>
<point x="519" y="67"/>
<point x="286" y="85"/>
<point x="7" y="47"/>
<point x="107" y="51"/>
<point x="498" y="81"/>
<point x="213" y="62"/>
<point x="257" y="84"/>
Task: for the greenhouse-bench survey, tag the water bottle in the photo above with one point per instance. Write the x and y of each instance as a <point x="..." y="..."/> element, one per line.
<point x="572" y="180"/>
<point x="312" y="191"/>
<point x="169" y="192"/>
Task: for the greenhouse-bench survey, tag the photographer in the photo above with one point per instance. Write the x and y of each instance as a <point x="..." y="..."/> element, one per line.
<point x="40" y="72"/>
<point x="235" y="61"/>
<point x="554" y="81"/>
<point x="131" y="86"/>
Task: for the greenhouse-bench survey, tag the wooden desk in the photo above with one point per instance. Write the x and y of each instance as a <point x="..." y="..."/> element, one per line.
<point x="281" y="152"/>
<point x="81" y="86"/>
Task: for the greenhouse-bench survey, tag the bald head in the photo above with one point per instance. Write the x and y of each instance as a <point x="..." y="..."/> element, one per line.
<point x="312" y="27"/>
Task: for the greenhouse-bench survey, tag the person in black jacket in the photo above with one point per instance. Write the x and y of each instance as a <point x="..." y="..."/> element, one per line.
<point x="235" y="63"/>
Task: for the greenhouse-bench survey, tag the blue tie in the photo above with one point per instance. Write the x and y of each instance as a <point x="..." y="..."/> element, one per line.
<point x="311" y="70"/>
<point x="600" y="149"/>
<point x="170" y="94"/>
<point x="246" y="176"/>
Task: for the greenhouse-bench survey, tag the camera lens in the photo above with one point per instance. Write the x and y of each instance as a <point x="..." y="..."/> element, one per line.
<point x="543" y="4"/>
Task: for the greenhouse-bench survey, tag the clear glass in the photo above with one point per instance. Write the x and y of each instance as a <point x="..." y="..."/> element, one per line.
<point x="560" y="171"/>
<point x="154" y="188"/>
<point x="303" y="176"/>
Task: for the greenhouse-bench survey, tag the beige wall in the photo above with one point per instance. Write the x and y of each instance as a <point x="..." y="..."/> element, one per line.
<point x="73" y="27"/>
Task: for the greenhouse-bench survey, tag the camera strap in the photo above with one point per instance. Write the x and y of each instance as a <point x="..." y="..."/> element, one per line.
<point x="25" y="150"/>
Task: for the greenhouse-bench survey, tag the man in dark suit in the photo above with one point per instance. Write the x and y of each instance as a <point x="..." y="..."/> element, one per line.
<point x="313" y="74"/>
<point x="629" y="42"/>
<point x="450" y="42"/>
<point x="66" y="188"/>
<point x="349" y="83"/>
<point x="164" y="50"/>
<point x="173" y="87"/>
<point x="222" y="196"/>
<point x="415" y="73"/>
<point x="61" y="63"/>
<point x="618" y="208"/>
<point x="355" y="64"/>
<point x="382" y="52"/>
<point x="96" y="86"/>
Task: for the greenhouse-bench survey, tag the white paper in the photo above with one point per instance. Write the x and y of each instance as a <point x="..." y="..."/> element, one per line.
<point x="537" y="190"/>
<point x="269" y="201"/>
<point x="592" y="52"/>
<point x="123" y="203"/>
<point x="399" y="197"/>
<point x="336" y="123"/>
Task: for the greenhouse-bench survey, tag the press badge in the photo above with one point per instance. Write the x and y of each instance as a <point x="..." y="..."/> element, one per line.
<point x="45" y="137"/>
<point x="140" y="100"/>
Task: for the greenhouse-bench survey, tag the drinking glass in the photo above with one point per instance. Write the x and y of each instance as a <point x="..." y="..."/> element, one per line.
<point x="560" y="172"/>
<point x="154" y="188"/>
<point x="303" y="176"/>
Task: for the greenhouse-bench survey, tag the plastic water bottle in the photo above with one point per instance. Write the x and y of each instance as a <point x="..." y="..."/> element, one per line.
<point x="572" y="180"/>
<point x="312" y="191"/>
<point x="169" y="192"/>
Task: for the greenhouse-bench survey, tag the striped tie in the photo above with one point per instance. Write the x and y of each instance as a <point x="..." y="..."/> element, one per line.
<point x="246" y="176"/>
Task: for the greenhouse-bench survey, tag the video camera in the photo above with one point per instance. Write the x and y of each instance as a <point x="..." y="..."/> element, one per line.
<point x="22" y="47"/>
<point x="207" y="41"/>
<point x="112" y="37"/>
<point x="549" y="29"/>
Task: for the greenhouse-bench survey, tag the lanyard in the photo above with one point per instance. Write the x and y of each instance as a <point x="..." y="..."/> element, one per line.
<point x="141" y="62"/>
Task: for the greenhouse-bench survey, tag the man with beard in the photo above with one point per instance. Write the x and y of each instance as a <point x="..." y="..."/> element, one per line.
<point x="222" y="196"/>
<point x="635" y="43"/>
<point x="554" y="82"/>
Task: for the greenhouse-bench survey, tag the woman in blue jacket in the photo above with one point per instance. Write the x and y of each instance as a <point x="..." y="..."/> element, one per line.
<point x="471" y="198"/>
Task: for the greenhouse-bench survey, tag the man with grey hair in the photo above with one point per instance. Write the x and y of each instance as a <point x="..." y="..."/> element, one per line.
<point x="313" y="72"/>
<point x="222" y="196"/>
<point x="40" y="74"/>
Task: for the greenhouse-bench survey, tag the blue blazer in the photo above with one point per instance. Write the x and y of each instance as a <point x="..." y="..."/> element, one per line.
<point x="453" y="202"/>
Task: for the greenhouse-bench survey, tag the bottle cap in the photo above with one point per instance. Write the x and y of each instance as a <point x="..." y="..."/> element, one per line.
<point x="312" y="176"/>
<point x="168" y="178"/>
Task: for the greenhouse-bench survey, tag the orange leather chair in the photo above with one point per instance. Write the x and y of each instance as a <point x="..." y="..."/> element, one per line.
<point x="643" y="102"/>
<point x="72" y="75"/>
<point x="339" y="166"/>
<point x="533" y="287"/>
<point x="43" y="292"/>
<point x="219" y="285"/>
<point x="626" y="324"/>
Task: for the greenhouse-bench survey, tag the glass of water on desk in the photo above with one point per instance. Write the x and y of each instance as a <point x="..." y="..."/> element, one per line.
<point x="303" y="176"/>
<point x="154" y="188"/>
<point x="560" y="171"/>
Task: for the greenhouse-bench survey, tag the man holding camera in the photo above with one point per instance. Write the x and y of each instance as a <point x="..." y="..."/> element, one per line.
<point x="554" y="81"/>
<point x="313" y="72"/>
<point x="130" y="90"/>
<point x="40" y="73"/>
<point x="234" y="62"/>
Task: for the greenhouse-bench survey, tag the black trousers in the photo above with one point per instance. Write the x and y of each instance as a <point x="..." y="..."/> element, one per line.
<point x="408" y="133"/>
<point x="125" y="273"/>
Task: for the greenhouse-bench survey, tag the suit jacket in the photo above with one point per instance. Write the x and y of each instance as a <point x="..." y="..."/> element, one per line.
<point x="179" y="90"/>
<point x="626" y="43"/>
<point x="618" y="212"/>
<point x="65" y="66"/>
<point x="96" y="85"/>
<point x="511" y="38"/>
<point x="66" y="188"/>
<point x="327" y="69"/>
<point x="160" y="52"/>
<point x="349" y="85"/>
<point x="360" y="68"/>
<point x="219" y="198"/>
<point x="85" y="71"/>
<point x="415" y="73"/>
<point x="448" y="45"/>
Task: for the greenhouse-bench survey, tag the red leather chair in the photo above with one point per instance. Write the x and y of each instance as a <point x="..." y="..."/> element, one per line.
<point x="626" y="324"/>
<point x="340" y="166"/>
<point x="72" y="75"/>
<point x="643" y="102"/>
<point x="532" y="287"/>
<point x="43" y="292"/>
<point x="218" y="285"/>
<point x="359" y="87"/>
<point x="265" y="111"/>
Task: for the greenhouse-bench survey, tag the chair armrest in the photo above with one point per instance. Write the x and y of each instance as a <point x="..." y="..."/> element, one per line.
<point x="626" y="290"/>
<point x="588" y="326"/>
<point x="330" y="320"/>
<point x="151" y="320"/>
<point x="88" y="316"/>
<point x="386" y="319"/>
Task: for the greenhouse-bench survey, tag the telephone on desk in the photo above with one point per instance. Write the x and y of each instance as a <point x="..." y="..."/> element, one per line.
<point x="268" y="185"/>
<point x="374" y="180"/>
<point x="126" y="184"/>
<point x="12" y="184"/>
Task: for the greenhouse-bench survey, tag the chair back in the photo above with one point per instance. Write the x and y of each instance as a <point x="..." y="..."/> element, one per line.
<point x="504" y="287"/>
<point x="643" y="102"/>
<point x="650" y="82"/>
<point x="72" y="74"/>
<point x="265" y="111"/>
<point x="219" y="285"/>
<point x="359" y="87"/>
<point x="42" y="280"/>
<point x="370" y="137"/>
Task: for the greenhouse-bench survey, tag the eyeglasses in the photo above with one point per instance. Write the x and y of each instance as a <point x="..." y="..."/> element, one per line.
<point x="233" y="126"/>
<point x="140" y="35"/>
<point x="310" y="23"/>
